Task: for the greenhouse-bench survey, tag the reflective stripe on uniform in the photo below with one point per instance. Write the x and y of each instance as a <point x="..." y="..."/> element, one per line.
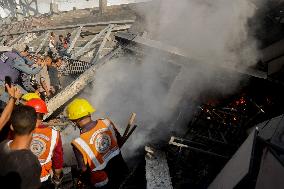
<point x="88" y="150"/>
<point x="52" y="146"/>
<point x="112" y="132"/>
<point x="102" y="183"/>
<point x="106" y="122"/>
<point x="42" y="179"/>
<point x="92" y="156"/>
<point x="106" y="159"/>
<point x="109" y="125"/>
<point x="111" y="154"/>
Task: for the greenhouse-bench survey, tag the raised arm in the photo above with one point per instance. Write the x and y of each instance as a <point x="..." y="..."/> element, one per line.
<point x="20" y="64"/>
<point x="15" y="94"/>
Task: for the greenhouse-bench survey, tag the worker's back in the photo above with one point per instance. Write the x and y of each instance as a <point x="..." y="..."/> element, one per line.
<point x="100" y="151"/>
<point x="43" y="144"/>
<point x="98" y="145"/>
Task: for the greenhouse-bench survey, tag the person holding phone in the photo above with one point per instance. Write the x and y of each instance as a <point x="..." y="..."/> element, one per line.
<point x="15" y="94"/>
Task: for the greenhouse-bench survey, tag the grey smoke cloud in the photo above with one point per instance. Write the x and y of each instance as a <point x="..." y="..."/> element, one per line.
<point x="214" y="33"/>
<point x="209" y="30"/>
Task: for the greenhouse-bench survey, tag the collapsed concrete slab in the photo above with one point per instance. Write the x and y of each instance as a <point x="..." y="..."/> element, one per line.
<point x="157" y="170"/>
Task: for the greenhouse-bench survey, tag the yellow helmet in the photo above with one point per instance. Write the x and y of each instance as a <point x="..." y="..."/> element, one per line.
<point x="79" y="108"/>
<point x="29" y="96"/>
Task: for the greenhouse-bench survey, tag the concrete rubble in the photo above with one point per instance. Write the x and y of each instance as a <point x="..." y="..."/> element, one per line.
<point x="157" y="170"/>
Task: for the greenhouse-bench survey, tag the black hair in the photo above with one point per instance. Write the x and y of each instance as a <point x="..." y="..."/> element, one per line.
<point x="39" y="116"/>
<point x="48" y="56"/>
<point x="26" y="48"/>
<point x="56" y="59"/>
<point x="23" y="120"/>
<point x="60" y="35"/>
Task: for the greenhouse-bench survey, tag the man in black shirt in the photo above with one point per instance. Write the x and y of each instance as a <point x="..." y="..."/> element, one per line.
<point x="61" y="47"/>
<point x="19" y="167"/>
<point x="54" y="76"/>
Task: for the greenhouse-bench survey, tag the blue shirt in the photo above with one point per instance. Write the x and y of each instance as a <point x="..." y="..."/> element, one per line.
<point x="11" y="63"/>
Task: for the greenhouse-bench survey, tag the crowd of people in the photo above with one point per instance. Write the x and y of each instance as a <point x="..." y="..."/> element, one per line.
<point x="37" y="73"/>
<point x="31" y="152"/>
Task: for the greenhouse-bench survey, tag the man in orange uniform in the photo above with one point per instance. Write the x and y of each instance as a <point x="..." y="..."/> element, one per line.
<point x="47" y="146"/>
<point x="97" y="149"/>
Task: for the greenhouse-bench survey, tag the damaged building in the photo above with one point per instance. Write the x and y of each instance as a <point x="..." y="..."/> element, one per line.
<point x="205" y="80"/>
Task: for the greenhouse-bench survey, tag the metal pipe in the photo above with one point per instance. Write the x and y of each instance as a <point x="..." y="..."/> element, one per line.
<point x="128" y="135"/>
<point x="172" y="142"/>
<point x="130" y="122"/>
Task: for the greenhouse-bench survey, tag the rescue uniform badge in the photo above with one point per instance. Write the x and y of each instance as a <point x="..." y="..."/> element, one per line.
<point x="38" y="146"/>
<point x="102" y="143"/>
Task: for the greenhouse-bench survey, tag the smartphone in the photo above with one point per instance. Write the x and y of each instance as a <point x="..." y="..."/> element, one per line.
<point x="7" y="81"/>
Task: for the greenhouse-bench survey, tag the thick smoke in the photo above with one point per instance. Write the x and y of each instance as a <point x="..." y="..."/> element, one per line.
<point x="213" y="33"/>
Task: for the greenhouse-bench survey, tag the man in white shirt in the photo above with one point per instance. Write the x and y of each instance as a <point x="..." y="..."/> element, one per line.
<point x="43" y="78"/>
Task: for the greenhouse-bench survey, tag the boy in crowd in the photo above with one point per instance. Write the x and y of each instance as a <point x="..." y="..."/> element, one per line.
<point x="19" y="167"/>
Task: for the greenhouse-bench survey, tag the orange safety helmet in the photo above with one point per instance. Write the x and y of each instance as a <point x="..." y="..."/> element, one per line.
<point x="38" y="104"/>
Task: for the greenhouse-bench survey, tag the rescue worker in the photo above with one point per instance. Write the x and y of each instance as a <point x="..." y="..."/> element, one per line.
<point x="97" y="149"/>
<point x="47" y="146"/>
<point x="11" y="64"/>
